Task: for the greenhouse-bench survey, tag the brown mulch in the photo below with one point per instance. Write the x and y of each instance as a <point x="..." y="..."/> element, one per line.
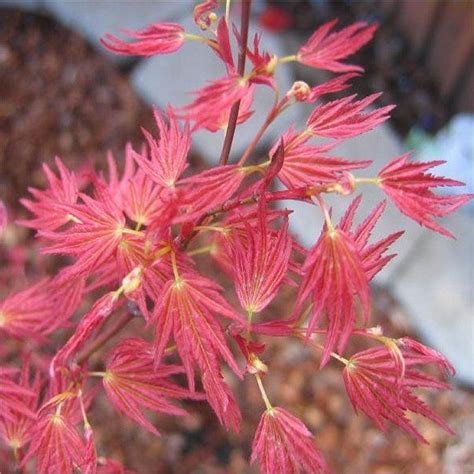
<point x="59" y="97"/>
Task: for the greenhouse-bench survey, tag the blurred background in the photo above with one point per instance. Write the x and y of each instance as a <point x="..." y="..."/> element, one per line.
<point x="62" y="94"/>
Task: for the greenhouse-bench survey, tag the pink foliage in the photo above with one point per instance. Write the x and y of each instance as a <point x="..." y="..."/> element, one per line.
<point x="283" y="444"/>
<point x="139" y="244"/>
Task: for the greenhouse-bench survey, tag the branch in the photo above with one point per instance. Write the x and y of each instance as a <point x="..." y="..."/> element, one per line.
<point x="270" y="117"/>
<point x="103" y="338"/>
<point x="234" y="111"/>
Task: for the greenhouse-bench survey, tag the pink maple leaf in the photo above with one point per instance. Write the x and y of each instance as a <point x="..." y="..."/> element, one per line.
<point x="42" y="308"/>
<point x="17" y="418"/>
<point x="260" y="262"/>
<point x="334" y="275"/>
<point x="235" y="225"/>
<point x="159" y="38"/>
<point x="201" y="13"/>
<point x="92" y="321"/>
<point x="57" y="445"/>
<point x="209" y="189"/>
<point x="372" y="255"/>
<point x="117" y="185"/>
<point x="325" y="50"/>
<point x="94" y="236"/>
<point x="222" y="47"/>
<point x="15" y="399"/>
<point x="188" y="309"/>
<point x="336" y="84"/>
<point x="305" y="164"/>
<point x="345" y="118"/>
<point x="215" y="99"/>
<point x="142" y="203"/>
<point x="302" y="92"/>
<point x="408" y="186"/>
<point x="264" y="64"/>
<point x="167" y="155"/>
<point x="283" y="444"/>
<point x="382" y="388"/>
<point x="23" y="314"/>
<point x="47" y="206"/>
<point x="132" y="382"/>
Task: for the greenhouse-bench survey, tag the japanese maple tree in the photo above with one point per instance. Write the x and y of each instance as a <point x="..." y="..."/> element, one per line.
<point x="129" y="243"/>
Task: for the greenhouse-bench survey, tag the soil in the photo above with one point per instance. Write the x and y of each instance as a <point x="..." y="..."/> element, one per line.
<point x="59" y="97"/>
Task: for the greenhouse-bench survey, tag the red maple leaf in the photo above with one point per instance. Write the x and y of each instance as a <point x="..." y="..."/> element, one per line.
<point x="167" y="155"/>
<point x="202" y="11"/>
<point x="305" y="164"/>
<point x="57" y="445"/>
<point x="132" y="382"/>
<point x="260" y="262"/>
<point x="215" y="99"/>
<point x="188" y="310"/>
<point x="334" y="275"/>
<point x="49" y="214"/>
<point x="372" y="255"/>
<point x="325" y="50"/>
<point x="382" y="388"/>
<point x="345" y="118"/>
<point x="19" y="402"/>
<point x="209" y="189"/>
<point x="283" y="444"/>
<point x="159" y="38"/>
<point x="94" y="236"/>
<point x="408" y="186"/>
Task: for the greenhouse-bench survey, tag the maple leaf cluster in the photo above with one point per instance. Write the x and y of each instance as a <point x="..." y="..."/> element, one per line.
<point x="130" y="241"/>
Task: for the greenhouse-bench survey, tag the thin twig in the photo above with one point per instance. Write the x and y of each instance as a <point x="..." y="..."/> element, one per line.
<point x="234" y="111"/>
<point x="270" y="117"/>
<point x="303" y="193"/>
<point x="103" y="338"/>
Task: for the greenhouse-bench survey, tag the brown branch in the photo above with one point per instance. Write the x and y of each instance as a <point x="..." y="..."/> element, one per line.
<point x="234" y="111"/>
<point x="104" y="337"/>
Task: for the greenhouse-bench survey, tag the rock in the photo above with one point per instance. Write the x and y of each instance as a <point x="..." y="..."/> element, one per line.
<point x="168" y="80"/>
<point x="436" y="288"/>
<point x="459" y="455"/>
<point x="29" y="5"/>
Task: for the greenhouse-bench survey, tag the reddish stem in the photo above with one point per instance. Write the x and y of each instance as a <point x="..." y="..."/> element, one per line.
<point x="270" y="117"/>
<point x="234" y="111"/>
<point x="303" y="193"/>
<point x="103" y="338"/>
